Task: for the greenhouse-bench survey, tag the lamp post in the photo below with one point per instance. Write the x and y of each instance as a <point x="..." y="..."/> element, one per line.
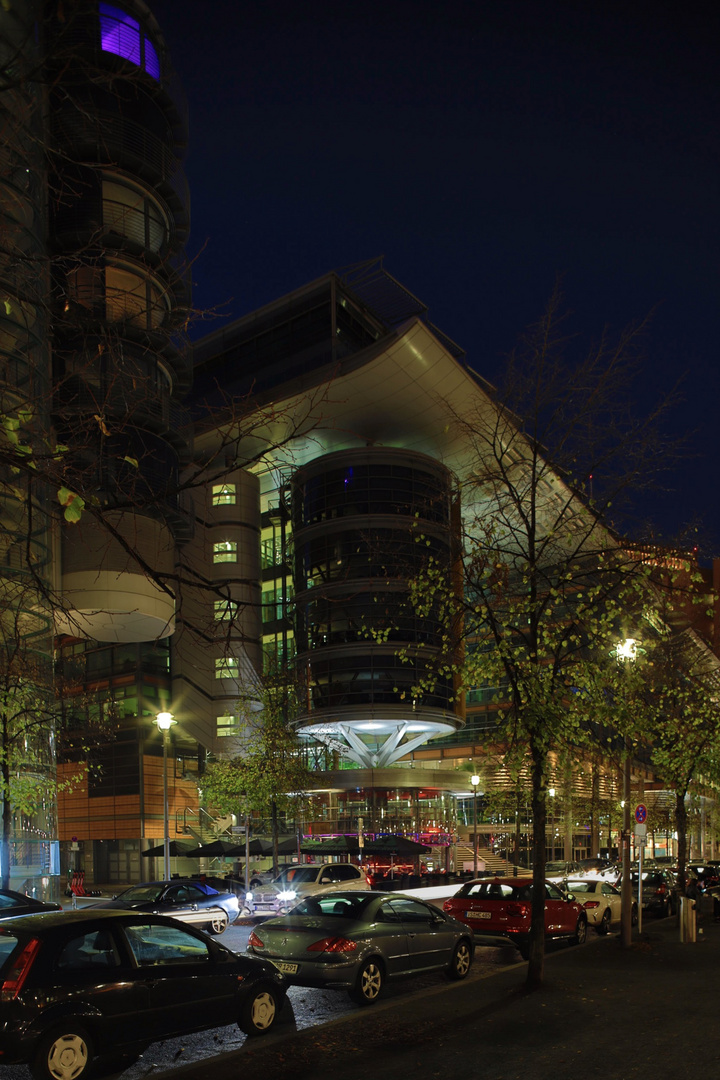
<point x="165" y="721"/>
<point x="626" y="652"/>
<point x="475" y="780"/>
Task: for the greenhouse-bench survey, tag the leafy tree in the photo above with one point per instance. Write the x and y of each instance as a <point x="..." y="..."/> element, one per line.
<point x="268" y="773"/>
<point x="547" y="586"/>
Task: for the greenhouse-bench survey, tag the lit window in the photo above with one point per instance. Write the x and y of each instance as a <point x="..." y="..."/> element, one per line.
<point x="223" y="495"/>
<point x="120" y="34"/>
<point x="226" y="668"/>
<point x="225" y="551"/>
<point x="226" y="609"/>
<point x="227" y="725"/>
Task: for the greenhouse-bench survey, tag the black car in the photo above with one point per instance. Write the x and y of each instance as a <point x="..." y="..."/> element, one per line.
<point x="659" y="891"/>
<point x="14" y="903"/>
<point x="94" y="988"/>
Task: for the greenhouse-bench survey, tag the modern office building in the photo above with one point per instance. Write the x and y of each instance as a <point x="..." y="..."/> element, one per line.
<point x="95" y="295"/>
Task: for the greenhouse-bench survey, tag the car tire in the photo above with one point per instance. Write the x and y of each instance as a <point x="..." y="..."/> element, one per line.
<point x="218" y="925"/>
<point x="580" y="935"/>
<point x="260" y="1010"/>
<point x="255" y="883"/>
<point x="461" y="960"/>
<point x="604" y="924"/>
<point x="65" y="1053"/>
<point x="369" y="983"/>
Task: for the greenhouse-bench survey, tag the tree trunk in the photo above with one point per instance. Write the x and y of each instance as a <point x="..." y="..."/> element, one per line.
<point x="276" y="859"/>
<point x="681" y="827"/>
<point x="6" y="828"/>
<point x="536" y="965"/>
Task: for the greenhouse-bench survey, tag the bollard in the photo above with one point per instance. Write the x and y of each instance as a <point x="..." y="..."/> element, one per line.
<point x="688" y="919"/>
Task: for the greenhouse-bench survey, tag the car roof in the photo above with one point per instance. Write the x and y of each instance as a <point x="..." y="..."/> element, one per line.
<point x="47" y="920"/>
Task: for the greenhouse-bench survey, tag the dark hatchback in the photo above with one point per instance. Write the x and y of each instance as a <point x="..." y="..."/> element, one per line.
<point x="659" y="891"/>
<point x="92" y="989"/>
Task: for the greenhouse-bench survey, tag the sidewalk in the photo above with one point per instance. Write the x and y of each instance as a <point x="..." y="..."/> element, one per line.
<point x="638" y="1014"/>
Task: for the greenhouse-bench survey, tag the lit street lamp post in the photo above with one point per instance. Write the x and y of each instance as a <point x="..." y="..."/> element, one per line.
<point x="475" y="780"/>
<point x="165" y="721"/>
<point x="627" y="651"/>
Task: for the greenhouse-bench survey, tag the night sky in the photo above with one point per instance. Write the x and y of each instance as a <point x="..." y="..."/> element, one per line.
<point x="484" y="149"/>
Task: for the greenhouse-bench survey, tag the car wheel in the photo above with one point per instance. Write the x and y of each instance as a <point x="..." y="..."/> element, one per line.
<point x="66" y="1053"/>
<point x="218" y="925"/>
<point x="260" y="1010"/>
<point x="369" y="983"/>
<point x="580" y="934"/>
<point x="604" y="924"/>
<point x="255" y="883"/>
<point x="461" y="960"/>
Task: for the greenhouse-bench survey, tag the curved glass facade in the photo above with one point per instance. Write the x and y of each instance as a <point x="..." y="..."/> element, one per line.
<point x="365" y="523"/>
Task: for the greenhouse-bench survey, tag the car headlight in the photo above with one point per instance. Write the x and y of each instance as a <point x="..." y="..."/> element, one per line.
<point x="249" y="897"/>
<point x="284" y="897"/>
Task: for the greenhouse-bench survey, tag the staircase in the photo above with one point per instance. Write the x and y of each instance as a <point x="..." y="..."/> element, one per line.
<point x="464" y="856"/>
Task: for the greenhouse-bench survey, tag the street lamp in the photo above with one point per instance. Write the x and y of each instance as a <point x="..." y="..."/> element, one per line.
<point x="165" y="721"/>
<point x="626" y="653"/>
<point x="475" y="780"/>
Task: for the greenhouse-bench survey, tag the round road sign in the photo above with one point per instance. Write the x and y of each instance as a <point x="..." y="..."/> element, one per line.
<point x="640" y="814"/>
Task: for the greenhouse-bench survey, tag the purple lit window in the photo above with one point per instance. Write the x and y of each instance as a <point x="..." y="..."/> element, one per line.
<point x="120" y="34"/>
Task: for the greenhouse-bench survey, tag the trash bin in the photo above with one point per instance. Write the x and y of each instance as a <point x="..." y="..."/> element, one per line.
<point x="688" y="919"/>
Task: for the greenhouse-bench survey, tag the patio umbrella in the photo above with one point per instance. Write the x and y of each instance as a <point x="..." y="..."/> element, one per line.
<point x="218" y="849"/>
<point x="394" y="845"/>
<point x="288" y="846"/>
<point x="176" y="848"/>
<point x="338" y="845"/>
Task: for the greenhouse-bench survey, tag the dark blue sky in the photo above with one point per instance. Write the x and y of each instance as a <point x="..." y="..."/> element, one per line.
<point x="484" y="149"/>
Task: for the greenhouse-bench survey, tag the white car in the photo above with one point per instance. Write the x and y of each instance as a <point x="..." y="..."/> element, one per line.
<point x="297" y="882"/>
<point x="601" y="900"/>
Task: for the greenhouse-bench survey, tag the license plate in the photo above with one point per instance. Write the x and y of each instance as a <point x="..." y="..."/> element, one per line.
<point x="287" y="969"/>
<point x="479" y="915"/>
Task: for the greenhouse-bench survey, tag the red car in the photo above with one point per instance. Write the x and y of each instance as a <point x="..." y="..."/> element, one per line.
<point x="500" y="909"/>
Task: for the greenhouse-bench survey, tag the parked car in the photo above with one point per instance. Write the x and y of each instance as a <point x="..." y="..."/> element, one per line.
<point x="14" y="903"/>
<point x="379" y="869"/>
<point x="355" y="941"/>
<point x="659" y="891"/>
<point x="187" y="900"/>
<point x="601" y="901"/>
<point x="297" y="882"/>
<point x="78" y="986"/>
<point x="500" y="909"/>
<point x="561" y="870"/>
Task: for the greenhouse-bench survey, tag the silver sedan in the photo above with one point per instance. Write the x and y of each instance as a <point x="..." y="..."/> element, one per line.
<point x="356" y="941"/>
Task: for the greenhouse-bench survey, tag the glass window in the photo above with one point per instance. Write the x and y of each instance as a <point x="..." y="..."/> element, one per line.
<point x="96" y="949"/>
<point x="226" y="668"/>
<point x="166" y="945"/>
<point x="225" y="551"/>
<point x="120" y="34"/>
<point x="133" y="214"/>
<point x="227" y="725"/>
<point x="226" y="609"/>
<point x="224" y="495"/>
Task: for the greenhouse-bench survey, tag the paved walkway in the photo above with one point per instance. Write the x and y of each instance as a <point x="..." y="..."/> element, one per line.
<point x="651" y="1011"/>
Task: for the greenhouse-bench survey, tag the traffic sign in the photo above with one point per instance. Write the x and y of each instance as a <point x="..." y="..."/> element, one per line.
<point x="641" y="814"/>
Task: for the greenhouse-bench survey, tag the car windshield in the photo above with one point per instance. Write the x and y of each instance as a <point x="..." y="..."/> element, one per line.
<point x="555" y="867"/>
<point x="141" y="894"/>
<point x="297" y="874"/>
<point x="582" y="886"/>
<point x="334" y="905"/>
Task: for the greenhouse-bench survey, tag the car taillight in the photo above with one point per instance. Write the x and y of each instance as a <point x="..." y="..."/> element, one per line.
<point x="255" y="940"/>
<point x="591" y="903"/>
<point x="517" y="910"/>
<point x="333" y="945"/>
<point x="18" y="973"/>
<point x="447" y="906"/>
<point x="660" y="890"/>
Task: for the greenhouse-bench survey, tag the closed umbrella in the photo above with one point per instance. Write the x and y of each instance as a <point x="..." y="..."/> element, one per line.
<point x="218" y="849"/>
<point x="176" y="848"/>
